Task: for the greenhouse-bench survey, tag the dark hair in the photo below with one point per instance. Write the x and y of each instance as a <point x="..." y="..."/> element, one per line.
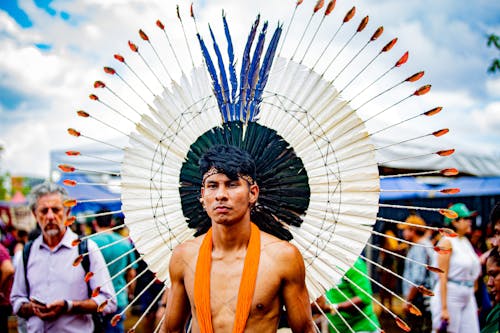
<point x="103" y="219"/>
<point x="495" y="214"/>
<point x="229" y="160"/>
<point x="494" y="255"/>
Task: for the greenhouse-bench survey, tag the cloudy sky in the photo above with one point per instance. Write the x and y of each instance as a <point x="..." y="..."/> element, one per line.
<point x="53" y="51"/>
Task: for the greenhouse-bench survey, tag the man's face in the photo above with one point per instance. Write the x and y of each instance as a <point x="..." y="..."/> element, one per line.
<point x="51" y="215"/>
<point x="496" y="232"/>
<point x="493" y="271"/>
<point x="227" y="201"/>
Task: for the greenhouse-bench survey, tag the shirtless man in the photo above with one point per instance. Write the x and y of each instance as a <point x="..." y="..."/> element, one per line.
<point x="222" y="280"/>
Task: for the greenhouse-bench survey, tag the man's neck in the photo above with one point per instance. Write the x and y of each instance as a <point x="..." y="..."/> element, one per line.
<point x="231" y="237"/>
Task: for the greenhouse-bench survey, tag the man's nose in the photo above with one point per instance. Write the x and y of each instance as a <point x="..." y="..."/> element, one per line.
<point x="490" y="281"/>
<point x="221" y="192"/>
<point x="50" y="214"/>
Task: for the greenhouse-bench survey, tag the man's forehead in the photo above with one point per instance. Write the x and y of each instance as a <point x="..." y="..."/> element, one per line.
<point x="50" y="198"/>
<point x="219" y="177"/>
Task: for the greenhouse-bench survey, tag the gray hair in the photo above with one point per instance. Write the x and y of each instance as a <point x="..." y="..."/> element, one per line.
<point x="43" y="189"/>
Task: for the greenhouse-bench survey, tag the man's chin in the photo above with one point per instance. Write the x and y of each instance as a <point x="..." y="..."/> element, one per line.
<point x="52" y="232"/>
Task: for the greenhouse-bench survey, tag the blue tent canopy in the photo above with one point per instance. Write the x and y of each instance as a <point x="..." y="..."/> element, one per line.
<point x="100" y="196"/>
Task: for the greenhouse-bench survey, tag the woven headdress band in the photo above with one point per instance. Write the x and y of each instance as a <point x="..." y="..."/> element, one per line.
<point x="213" y="170"/>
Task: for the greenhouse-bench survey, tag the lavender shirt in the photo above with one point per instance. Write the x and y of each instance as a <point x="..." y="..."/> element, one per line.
<point x="52" y="277"/>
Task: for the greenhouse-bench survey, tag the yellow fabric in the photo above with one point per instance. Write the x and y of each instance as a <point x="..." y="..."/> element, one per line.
<point x="247" y="283"/>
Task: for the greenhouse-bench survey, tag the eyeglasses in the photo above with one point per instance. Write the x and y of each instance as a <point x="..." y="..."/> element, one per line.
<point x="55" y="210"/>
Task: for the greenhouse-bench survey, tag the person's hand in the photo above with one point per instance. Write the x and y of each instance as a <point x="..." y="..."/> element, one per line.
<point x="50" y="311"/>
<point x="445" y="316"/>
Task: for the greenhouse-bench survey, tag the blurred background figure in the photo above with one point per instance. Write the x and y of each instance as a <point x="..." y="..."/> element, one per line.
<point x="492" y="324"/>
<point x="121" y="270"/>
<point x="346" y="296"/>
<point x="6" y="276"/>
<point x="421" y="252"/>
<point x="454" y="302"/>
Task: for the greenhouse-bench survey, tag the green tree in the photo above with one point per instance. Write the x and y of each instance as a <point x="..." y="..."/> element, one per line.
<point x="494" y="41"/>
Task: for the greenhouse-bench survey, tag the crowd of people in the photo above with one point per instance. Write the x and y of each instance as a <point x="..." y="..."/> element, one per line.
<point x="40" y="285"/>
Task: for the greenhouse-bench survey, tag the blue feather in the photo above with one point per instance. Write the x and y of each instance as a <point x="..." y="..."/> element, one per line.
<point x="215" y="82"/>
<point x="264" y="72"/>
<point x="245" y="65"/>
<point x="254" y="67"/>
<point x="230" y="52"/>
<point x="223" y="77"/>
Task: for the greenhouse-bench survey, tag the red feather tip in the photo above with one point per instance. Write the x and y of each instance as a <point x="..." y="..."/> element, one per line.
<point x="449" y="172"/>
<point x="377" y="33"/>
<point x="160" y="25"/>
<point x="101" y="306"/>
<point x="143" y="35"/>
<point x="78" y="259"/>
<point x="69" y="182"/>
<point x="66" y="168"/>
<point x="69" y="221"/>
<point x="422" y="90"/>
<point x="445" y="153"/>
<point x="72" y="153"/>
<point x="434" y="111"/>
<point x="132" y="46"/>
<point x="110" y="70"/>
<point x="93" y="97"/>
<point x="349" y="15"/>
<point x="390" y="45"/>
<point x="119" y="57"/>
<point x="402" y="60"/>
<point x="441" y="132"/>
<point x="299" y="2"/>
<point x="70" y="203"/>
<point x="319" y="5"/>
<point x="191" y="10"/>
<point x="99" y="84"/>
<point x="96" y="291"/>
<point x="402" y="325"/>
<point x="330" y="7"/>
<point x="363" y="24"/>
<point x="415" y="77"/>
<point x="88" y="276"/>
<point x="450" y="190"/>
<point x="115" y="320"/>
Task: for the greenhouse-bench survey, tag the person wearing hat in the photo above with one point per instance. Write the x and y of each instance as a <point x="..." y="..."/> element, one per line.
<point x="454" y="304"/>
<point x="420" y="252"/>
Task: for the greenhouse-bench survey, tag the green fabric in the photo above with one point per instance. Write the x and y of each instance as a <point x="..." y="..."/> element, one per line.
<point x="492" y="321"/>
<point x="112" y="252"/>
<point x="356" y="320"/>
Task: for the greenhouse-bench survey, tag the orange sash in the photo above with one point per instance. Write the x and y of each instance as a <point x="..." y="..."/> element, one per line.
<point x="247" y="283"/>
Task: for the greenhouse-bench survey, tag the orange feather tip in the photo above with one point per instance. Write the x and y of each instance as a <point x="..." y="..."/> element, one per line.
<point x="350" y="14"/>
<point x="133" y="47"/>
<point x="101" y="306"/>
<point x="434" y="111"/>
<point x="362" y="25"/>
<point x="143" y="35"/>
<point x="88" y="276"/>
<point x="442" y="250"/>
<point x="446" y="152"/>
<point x="299" y="2"/>
<point x="450" y="190"/>
<point x="441" y="132"/>
<point x="70" y="203"/>
<point x="66" y="168"/>
<point x="82" y="114"/>
<point x="377" y="33"/>
<point x="191" y="10"/>
<point x="160" y="25"/>
<point x="414" y="310"/>
<point x="449" y="172"/>
<point x="319" y="5"/>
<point x="402" y="325"/>
<point x="73" y="153"/>
<point x="448" y="213"/>
<point x="75" y="242"/>
<point x="402" y="60"/>
<point x="69" y="182"/>
<point x="119" y="57"/>
<point x="115" y="320"/>
<point x="424" y="291"/>
<point x="69" y="221"/>
<point x="389" y="45"/>
<point x="96" y="291"/>
<point x="434" y="270"/>
<point x="109" y="70"/>
<point x="422" y="90"/>
<point x="78" y="260"/>
<point x="415" y="77"/>
<point x="73" y="132"/>
<point x="94" y="97"/>
<point x="447" y="232"/>
<point x="330" y="7"/>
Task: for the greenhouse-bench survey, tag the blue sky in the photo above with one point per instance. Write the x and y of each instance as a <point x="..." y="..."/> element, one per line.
<point x="52" y="51"/>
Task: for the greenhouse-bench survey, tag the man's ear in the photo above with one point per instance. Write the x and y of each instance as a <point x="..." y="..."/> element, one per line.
<point x="254" y="193"/>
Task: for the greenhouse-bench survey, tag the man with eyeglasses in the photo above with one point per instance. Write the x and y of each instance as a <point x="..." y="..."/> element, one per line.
<point x="52" y="294"/>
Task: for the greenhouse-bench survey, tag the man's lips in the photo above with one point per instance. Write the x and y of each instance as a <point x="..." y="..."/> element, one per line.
<point x="221" y="209"/>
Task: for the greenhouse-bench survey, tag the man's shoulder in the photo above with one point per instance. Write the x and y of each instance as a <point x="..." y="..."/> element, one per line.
<point x="280" y="249"/>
